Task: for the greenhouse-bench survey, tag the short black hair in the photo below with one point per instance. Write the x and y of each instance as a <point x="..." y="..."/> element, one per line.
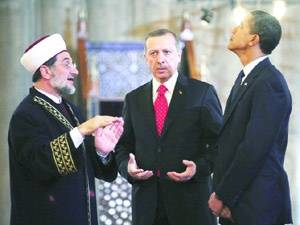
<point x="160" y="32"/>
<point x="268" y="29"/>
<point x="37" y="74"/>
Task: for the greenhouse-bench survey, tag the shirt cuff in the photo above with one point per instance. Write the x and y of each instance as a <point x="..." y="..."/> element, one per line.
<point x="105" y="158"/>
<point x="102" y="155"/>
<point x="76" y="137"/>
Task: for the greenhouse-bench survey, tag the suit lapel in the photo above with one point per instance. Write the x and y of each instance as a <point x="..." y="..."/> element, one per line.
<point x="148" y="110"/>
<point x="243" y="88"/>
<point x="176" y="104"/>
<point x="230" y="106"/>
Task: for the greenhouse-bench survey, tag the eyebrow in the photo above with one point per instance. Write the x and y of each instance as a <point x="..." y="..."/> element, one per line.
<point x="67" y="59"/>
<point x="164" y="49"/>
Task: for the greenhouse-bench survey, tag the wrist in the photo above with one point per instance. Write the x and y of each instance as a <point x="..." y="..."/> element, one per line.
<point x="82" y="130"/>
<point x="102" y="154"/>
<point x="76" y="137"/>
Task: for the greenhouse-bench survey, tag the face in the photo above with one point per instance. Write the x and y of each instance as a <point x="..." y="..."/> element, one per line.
<point x="162" y="56"/>
<point x="241" y="38"/>
<point x="63" y="74"/>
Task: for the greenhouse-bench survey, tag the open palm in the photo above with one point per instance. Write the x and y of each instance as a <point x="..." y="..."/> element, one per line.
<point x="106" y="138"/>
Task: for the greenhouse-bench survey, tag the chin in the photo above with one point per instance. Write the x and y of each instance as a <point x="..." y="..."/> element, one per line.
<point x="163" y="76"/>
<point x="68" y="90"/>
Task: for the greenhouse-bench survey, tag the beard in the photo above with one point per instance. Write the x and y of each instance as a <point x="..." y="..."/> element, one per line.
<point x="66" y="90"/>
<point x="62" y="85"/>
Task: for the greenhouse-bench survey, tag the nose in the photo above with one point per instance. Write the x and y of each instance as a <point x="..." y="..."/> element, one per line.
<point x="160" y="57"/>
<point x="74" y="70"/>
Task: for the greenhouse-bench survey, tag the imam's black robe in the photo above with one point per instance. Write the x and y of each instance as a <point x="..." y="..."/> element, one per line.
<point x="52" y="182"/>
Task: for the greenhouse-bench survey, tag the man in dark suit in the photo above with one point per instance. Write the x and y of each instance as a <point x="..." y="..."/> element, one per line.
<point x="165" y="149"/>
<point x="250" y="184"/>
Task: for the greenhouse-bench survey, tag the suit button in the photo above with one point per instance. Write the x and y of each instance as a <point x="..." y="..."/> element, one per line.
<point x="207" y="145"/>
<point x="159" y="150"/>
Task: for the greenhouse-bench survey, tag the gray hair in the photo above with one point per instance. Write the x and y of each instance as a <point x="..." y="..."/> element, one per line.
<point x="161" y="32"/>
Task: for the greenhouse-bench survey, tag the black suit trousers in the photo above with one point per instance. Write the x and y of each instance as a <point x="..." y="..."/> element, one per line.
<point x="161" y="215"/>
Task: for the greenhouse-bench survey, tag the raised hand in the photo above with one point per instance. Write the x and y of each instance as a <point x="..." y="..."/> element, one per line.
<point x="186" y="175"/>
<point x="135" y="172"/>
<point x="106" y="138"/>
<point x="91" y="125"/>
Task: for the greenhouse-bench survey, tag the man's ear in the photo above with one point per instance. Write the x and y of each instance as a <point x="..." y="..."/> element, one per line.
<point x="254" y="40"/>
<point x="45" y="72"/>
<point x="179" y="55"/>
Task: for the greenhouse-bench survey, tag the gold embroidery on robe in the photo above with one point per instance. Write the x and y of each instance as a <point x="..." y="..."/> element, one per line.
<point x="62" y="155"/>
<point x="60" y="148"/>
<point x="50" y="108"/>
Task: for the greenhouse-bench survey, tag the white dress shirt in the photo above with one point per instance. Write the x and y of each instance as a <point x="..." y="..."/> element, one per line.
<point x="169" y="84"/>
<point x="250" y="66"/>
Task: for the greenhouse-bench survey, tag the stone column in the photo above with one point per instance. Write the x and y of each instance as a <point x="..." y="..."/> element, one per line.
<point x="108" y="20"/>
<point x="15" y="24"/>
<point x="20" y="24"/>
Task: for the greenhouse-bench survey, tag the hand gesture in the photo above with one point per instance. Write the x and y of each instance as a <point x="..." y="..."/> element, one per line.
<point x="107" y="138"/>
<point x="226" y="213"/>
<point x="135" y="172"/>
<point x="91" y="125"/>
<point x="215" y="204"/>
<point x="186" y="175"/>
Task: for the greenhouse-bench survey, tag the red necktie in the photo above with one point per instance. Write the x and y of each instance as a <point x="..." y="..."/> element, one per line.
<point x="160" y="108"/>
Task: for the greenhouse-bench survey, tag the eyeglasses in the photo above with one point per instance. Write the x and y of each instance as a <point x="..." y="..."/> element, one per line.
<point x="69" y="65"/>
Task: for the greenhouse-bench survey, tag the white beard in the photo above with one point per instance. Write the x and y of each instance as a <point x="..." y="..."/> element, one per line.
<point x="61" y="86"/>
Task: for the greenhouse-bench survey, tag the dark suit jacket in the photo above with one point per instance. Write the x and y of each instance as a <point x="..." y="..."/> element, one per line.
<point x="249" y="176"/>
<point x="191" y="127"/>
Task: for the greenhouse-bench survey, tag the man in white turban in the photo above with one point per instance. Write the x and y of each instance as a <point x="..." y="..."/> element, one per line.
<point x="54" y="159"/>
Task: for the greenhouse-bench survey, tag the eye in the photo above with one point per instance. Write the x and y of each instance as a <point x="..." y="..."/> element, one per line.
<point x="69" y="64"/>
<point x="167" y="52"/>
<point x="153" y="53"/>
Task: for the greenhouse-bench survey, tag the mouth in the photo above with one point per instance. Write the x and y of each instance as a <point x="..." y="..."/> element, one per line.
<point x="70" y="79"/>
<point x="161" y="70"/>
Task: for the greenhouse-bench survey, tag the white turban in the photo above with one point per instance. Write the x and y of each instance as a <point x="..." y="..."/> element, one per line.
<point x="41" y="51"/>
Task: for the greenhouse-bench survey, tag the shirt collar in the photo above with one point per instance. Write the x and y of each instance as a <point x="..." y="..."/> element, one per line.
<point x="54" y="98"/>
<point x="250" y="66"/>
<point x="169" y="84"/>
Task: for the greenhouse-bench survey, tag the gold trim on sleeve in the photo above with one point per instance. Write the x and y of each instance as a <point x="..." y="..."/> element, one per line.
<point x="62" y="155"/>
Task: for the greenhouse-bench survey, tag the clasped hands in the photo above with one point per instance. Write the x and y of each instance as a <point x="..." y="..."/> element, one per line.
<point x="141" y="174"/>
<point x="106" y="129"/>
<point x="218" y="208"/>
